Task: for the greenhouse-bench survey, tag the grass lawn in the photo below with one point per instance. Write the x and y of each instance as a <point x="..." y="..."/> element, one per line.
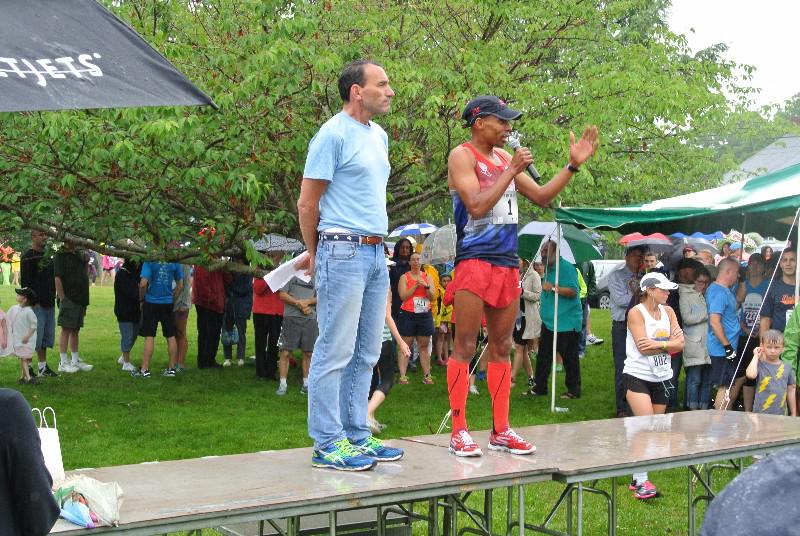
<point x="106" y="417"/>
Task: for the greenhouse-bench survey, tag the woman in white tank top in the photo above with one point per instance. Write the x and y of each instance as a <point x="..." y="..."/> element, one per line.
<point x="653" y="334"/>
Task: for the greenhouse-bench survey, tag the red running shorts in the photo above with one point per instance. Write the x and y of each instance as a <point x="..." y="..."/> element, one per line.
<point x="497" y="286"/>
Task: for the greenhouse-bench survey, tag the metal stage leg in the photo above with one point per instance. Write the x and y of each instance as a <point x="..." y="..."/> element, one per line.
<point x="521" y="510"/>
<point x="488" y="502"/>
<point x="453" y="515"/>
<point x="332" y="522"/>
<point x="612" y="519"/>
<point x="447" y="517"/>
<point x="689" y="499"/>
<point x="695" y="473"/>
<point x="580" y="509"/>
<point x="510" y="510"/>
<point x="433" y="516"/>
<point x="293" y="526"/>
<point x="379" y="521"/>
<point x="571" y="488"/>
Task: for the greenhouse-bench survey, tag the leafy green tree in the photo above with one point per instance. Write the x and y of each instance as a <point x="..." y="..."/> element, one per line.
<point x="136" y="181"/>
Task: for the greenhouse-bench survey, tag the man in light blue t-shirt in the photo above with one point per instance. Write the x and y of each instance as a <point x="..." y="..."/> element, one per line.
<point x="342" y="213"/>
<point x="723" y="333"/>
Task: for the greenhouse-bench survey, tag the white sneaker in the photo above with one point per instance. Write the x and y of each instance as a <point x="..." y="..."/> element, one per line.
<point x="226" y="363"/>
<point x="473" y="390"/>
<point x="67" y="367"/>
<point x="120" y="360"/>
<point x="82" y="365"/>
<point x="128" y="367"/>
<point x="374" y="426"/>
<point x="592" y="339"/>
<point x="240" y="362"/>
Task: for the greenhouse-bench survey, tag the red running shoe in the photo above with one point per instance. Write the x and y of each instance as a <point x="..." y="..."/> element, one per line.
<point x="509" y="441"/>
<point x="645" y="490"/>
<point x="461" y="444"/>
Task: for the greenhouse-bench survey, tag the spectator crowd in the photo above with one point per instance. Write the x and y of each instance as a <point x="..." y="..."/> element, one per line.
<point x="722" y="305"/>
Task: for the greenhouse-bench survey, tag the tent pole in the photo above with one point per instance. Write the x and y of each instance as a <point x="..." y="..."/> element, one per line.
<point x="796" y="272"/>
<point x="741" y="244"/>
<point x="555" y="321"/>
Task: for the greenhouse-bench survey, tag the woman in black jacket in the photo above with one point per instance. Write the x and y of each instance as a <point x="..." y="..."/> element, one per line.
<point x="238" y="307"/>
<point x="127" y="310"/>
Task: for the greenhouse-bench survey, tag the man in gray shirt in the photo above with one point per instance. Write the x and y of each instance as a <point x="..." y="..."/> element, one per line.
<point x="299" y="329"/>
<point x="621" y="283"/>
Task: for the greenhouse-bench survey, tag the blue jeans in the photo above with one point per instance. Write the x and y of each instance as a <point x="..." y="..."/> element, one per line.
<point x="351" y="282"/>
<point x="45" y="326"/>
<point x="128" y="331"/>
<point x="698" y="386"/>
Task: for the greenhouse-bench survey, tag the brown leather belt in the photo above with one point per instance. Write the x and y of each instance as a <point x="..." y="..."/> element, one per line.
<point x="348" y="237"/>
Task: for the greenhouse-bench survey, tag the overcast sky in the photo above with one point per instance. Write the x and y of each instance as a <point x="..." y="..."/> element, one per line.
<point x="762" y="33"/>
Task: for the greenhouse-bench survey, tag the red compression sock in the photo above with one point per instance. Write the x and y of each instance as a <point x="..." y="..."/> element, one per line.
<point x="498" y="376"/>
<point x="457" y="390"/>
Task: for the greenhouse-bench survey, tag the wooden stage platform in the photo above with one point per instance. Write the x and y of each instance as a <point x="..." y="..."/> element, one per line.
<point x="214" y="491"/>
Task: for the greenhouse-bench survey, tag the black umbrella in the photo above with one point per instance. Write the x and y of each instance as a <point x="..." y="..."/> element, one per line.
<point x="75" y="54"/>
<point x="275" y="242"/>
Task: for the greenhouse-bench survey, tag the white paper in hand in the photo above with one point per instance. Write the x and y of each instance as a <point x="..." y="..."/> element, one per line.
<point x="281" y="275"/>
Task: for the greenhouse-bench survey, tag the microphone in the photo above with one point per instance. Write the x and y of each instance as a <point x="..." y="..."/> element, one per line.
<point x="513" y="142"/>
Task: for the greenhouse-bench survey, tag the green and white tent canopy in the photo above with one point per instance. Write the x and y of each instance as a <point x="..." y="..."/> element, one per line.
<point x="765" y="204"/>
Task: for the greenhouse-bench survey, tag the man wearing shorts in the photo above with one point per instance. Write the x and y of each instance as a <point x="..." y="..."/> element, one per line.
<point x="298" y="330"/>
<point x="483" y="181"/>
<point x="723" y="333"/>
<point x="158" y="295"/>
<point x="37" y="274"/>
<point x="72" y="291"/>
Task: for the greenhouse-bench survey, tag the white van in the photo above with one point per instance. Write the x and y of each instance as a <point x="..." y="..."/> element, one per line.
<point x="602" y="269"/>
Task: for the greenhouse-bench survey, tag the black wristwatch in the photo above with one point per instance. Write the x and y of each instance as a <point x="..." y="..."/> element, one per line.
<point x="572" y="168"/>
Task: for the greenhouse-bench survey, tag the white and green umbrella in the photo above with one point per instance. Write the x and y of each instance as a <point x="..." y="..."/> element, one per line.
<point x="575" y="245"/>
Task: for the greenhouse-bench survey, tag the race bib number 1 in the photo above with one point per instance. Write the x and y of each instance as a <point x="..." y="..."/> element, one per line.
<point x="505" y="212"/>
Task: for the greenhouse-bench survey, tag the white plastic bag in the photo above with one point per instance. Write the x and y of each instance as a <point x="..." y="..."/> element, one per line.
<point x="51" y="445"/>
<point x="103" y="499"/>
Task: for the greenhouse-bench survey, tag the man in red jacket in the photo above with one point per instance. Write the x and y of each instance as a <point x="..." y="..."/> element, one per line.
<point x="208" y="297"/>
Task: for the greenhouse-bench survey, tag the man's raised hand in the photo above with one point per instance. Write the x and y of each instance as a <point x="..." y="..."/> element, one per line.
<point x="584" y="148"/>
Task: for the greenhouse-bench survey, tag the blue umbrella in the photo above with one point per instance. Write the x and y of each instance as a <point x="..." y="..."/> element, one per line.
<point x="413" y="229"/>
<point x="713" y="236"/>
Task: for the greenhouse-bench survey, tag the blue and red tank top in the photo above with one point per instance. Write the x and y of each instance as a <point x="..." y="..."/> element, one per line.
<point x="492" y="237"/>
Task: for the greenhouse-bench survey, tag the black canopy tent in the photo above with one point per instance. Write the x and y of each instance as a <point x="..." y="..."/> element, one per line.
<point x="75" y="54"/>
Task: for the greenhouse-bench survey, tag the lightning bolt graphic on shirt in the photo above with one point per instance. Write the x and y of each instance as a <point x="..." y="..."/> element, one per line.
<point x="764" y="384"/>
<point x="768" y="402"/>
